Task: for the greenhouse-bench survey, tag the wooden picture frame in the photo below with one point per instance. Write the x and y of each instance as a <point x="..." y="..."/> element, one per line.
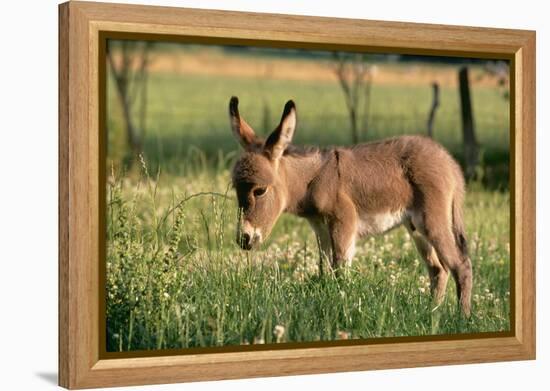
<point x="81" y="25"/>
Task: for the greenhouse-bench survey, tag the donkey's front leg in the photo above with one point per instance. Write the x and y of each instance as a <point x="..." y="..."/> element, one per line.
<point x="343" y="231"/>
<point x="324" y="241"/>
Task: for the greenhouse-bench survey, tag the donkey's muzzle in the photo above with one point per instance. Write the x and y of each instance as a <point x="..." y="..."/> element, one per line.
<point x="248" y="236"/>
<point x="245" y="241"/>
<point x="248" y="241"/>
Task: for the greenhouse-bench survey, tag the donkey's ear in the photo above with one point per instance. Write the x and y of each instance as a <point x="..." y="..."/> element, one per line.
<point x="244" y="133"/>
<point x="282" y="136"/>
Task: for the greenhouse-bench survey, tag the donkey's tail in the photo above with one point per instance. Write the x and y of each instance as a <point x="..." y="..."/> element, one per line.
<point x="458" y="221"/>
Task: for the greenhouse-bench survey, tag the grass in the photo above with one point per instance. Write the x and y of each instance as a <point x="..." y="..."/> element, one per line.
<point x="176" y="278"/>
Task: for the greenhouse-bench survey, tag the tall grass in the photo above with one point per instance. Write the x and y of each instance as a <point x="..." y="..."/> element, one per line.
<point x="176" y="278"/>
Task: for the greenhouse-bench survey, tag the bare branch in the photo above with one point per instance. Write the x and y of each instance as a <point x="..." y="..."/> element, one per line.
<point x="353" y="75"/>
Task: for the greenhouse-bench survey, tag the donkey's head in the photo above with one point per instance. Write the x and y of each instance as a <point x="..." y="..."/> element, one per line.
<point x="260" y="184"/>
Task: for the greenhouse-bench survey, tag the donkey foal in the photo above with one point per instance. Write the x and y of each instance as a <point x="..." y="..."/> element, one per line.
<point x="347" y="193"/>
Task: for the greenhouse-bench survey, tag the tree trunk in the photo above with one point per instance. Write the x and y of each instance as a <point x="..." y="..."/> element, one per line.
<point x="121" y="78"/>
<point x="471" y="148"/>
<point x="129" y="84"/>
<point x="143" y="96"/>
<point x="435" y="105"/>
<point x="351" y="73"/>
<point x="354" y="127"/>
<point x="266" y="119"/>
<point x="366" y="108"/>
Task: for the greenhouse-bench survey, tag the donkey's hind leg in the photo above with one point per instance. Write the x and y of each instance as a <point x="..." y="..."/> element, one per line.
<point x="439" y="233"/>
<point x="438" y="274"/>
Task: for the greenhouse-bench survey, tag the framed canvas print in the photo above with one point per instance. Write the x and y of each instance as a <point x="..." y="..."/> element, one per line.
<point x="247" y="195"/>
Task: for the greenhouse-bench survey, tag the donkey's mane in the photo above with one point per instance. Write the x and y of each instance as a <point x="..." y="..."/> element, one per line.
<point x="303" y="150"/>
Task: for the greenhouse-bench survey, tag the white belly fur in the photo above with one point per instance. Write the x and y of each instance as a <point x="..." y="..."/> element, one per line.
<point x="378" y="223"/>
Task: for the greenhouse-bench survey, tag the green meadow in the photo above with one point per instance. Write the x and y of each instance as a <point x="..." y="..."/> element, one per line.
<point x="175" y="276"/>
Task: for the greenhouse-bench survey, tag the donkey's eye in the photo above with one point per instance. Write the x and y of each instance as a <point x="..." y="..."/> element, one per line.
<point x="260" y="191"/>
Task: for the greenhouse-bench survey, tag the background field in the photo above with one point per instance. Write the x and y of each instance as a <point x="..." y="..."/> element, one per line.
<point x="175" y="277"/>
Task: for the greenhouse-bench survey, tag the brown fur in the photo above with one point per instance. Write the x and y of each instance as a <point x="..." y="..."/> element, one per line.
<point x="347" y="193"/>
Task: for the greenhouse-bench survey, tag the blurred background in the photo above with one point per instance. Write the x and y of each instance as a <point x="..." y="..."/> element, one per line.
<point x="168" y="103"/>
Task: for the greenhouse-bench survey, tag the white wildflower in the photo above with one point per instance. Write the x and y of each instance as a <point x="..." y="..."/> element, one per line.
<point x="279" y="332"/>
<point x="343" y="335"/>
